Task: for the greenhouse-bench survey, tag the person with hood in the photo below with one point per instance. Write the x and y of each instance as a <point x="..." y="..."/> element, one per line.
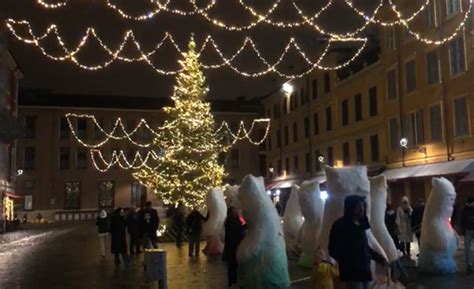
<point x="118" y="226"/>
<point x="417" y="219"/>
<point x="234" y="233"/>
<point x="404" y="213"/>
<point x="149" y="223"/>
<point x="349" y="246"/>
<point x="194" y="224"/>
<point x="133" y="226"/>
<point x="467" y="227"/>
<point x="391" y="224"/>
<point x="102" y="224"/>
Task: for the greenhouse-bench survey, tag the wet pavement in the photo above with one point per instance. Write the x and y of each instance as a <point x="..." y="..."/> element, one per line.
<point x="67" y="257"/>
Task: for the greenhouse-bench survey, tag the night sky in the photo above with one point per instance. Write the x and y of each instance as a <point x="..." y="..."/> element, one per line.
<point x="138" y="79"/>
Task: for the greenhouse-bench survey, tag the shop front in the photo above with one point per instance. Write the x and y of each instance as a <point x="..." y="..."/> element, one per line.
<point x="9" y="219"/>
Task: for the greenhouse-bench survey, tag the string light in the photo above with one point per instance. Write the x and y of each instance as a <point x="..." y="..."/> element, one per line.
<point x="145" y="56"/>
<point x="119" y="159"/>
<point x="51" y="6"/>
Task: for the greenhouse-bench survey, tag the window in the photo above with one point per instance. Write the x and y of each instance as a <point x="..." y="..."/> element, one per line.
<point x="29" y="158"/>
<point x="276" y="111"/>
<point x="287" y="166"/>
<point x="97" y="134"/>
<point x="279" y="167"/>
<point x="302" y="96"/>
<point x="284" y="105"/>
<point x="360" y="151"/>
<point x="130" y="125"/>
<point x="295" y="132"/>
<point x="392" y="88"/>
<point x="72" y="198"/>
<point x="430" y="14"/>
<point x="452" y="7"/>
<point x="432" y="67"/>
<point x="345" y="112"/>
<point x="82" y="128"/>
<point x="394" y="134"/>
<point x="316" y="123"/>
<point x="314" y="86"/>
<point x="457" y="59"/>
<point x="390" y="38"/>
<point x="358" y="107"/>
<point x="317" y="155"/>
<point x="286" y="135"/>
<point x="28" y="203"/>
<point x="414" y="128"/>
<point x="330" y="156"/>
<point x="327" y="83"/>
<point x="269" y="143"/>
<point x="410" y="81"/>
<point x="64" y="158"/>
<point x="436" y="123"/>
<point x="64" y="128"/>
<point x="346" y="158"/>
<point x="106" y="194"/>
<point x="278" y="137"/>
<point x="81" y="158"/>
<point x="306" y="127"/>
<point x="235" y="158"/>
<point x="373" y="104"/>
<point x="307" y="161"/>
<point x="374" y="148"/>
<point x="138" y="194"/>
<point x="28" y="184"/>
<point x="294" y="101"/>
<point x="30" y="126"/>
<point x="296" y="163"/>
<point x="461" y="117"/>
<point x="328" y="119"/>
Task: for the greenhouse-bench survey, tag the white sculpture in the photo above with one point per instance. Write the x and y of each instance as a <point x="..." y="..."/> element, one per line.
<point x="312" y="207"/>
<point x="438" y="238"/>
<point x="343" y="182"/>
<point x="292" y="218"/>
<point x="213" y="228"/>
<point x="378" y="204"/>
<point x="231" y="199"/>
<point x="261" y="255"/>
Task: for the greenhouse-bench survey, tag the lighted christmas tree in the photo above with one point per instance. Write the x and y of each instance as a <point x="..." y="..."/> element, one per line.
<point x="188" y="165"/>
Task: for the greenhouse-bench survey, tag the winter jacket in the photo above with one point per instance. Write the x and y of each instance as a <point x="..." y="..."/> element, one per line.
<point x="404" y="224"/>
<point x="149" y="220"/>
<point x="102" y="225"/>
<point x="133" y="224"/>
<point x="118" y="227"/>
<point x="234" y="233"/>
<point x="391" y="223"/>
<point x="417" y="218"/>
<point x="194" y="223"/>
<point x="349" y="246"/>
<point x="467" y="219"/>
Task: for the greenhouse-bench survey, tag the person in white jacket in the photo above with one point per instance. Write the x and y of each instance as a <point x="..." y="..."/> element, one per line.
<point x="404" y="226"/>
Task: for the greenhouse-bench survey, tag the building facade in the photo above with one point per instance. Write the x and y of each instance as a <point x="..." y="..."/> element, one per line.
<point x="406" y="113"/>
<point x="62" y="182"/>
<point x="10" y="74"/>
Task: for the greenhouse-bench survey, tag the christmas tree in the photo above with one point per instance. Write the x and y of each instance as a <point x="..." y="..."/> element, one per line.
<point x="187" y="165"/>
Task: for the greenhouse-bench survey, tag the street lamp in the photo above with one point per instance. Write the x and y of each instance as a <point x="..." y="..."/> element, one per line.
<point x="417" y="148"/>
<point x="288" y="88"/>
<point x="19" y="172"/>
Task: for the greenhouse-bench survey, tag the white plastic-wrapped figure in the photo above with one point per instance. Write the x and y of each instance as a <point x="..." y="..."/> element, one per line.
<point x="378" y="201"/>
<point x="343" y="182"/>
<point x="292" y="219"/>
<point x="261" y="256"/>
<point x="312" y="207"/>
<point x="231" y="199"/>
<point x="438" y="239"/>
<point x="213" y="228"/>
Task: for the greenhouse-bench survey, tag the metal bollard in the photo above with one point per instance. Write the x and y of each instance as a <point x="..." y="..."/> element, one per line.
<point x="155" y="267"/>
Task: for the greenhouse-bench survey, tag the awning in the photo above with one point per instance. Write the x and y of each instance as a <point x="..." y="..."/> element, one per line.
<point x="468" y="179"/>
<point x="282" y="184"/>
<point x="429" y="170"/>
<point x="12" y="195"/>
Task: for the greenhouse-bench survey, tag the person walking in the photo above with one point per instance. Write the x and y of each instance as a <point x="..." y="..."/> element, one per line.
<point x="194" y="224"/>
<point x="149" y="223"/>
<point x="391" y="224"/>
<point x="404" y="213"/>
<point x="353" y="256"/>
<point x="179" y="220"/>
<point x="417" y="219"/>
<point x="118" y="226"/>
<point x="103" y="229"/>
<point x="234" y="233"/>
<point x="467" y="227"/>
<point x="133" y="227"/>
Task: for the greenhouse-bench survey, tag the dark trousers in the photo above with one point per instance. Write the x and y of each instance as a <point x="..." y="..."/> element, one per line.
<point x="150" y="237"/>
<point x="232" y="270"/>
<point x="418" y="238"/>
<point x="125" y="258"/>
<point x="194" y="243"/>
<point x="134" y="244"/>
<point x="406" y="248"/>
<point x="179" y="236"/>
<point x="395" y="240"/>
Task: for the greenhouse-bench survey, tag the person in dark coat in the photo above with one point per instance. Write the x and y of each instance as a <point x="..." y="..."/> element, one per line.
<point x="417" y="219"/>
<point x="349" y="246"/>
<point x="467" y="227"/>
<point x="194" y="224"/>
<point x="149" y="223"/>
<point x="234" y="233"/>
<point x="391" y="223"/>
<point x="179" y="222"/>
<point x="118" y="227"/>
<point x="133" y="226"/>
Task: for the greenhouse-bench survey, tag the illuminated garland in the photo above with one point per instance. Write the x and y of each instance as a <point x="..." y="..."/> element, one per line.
<point x="51" y="6"/>
<point x="120" y="159"/>
<point x="145" y="56"/>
